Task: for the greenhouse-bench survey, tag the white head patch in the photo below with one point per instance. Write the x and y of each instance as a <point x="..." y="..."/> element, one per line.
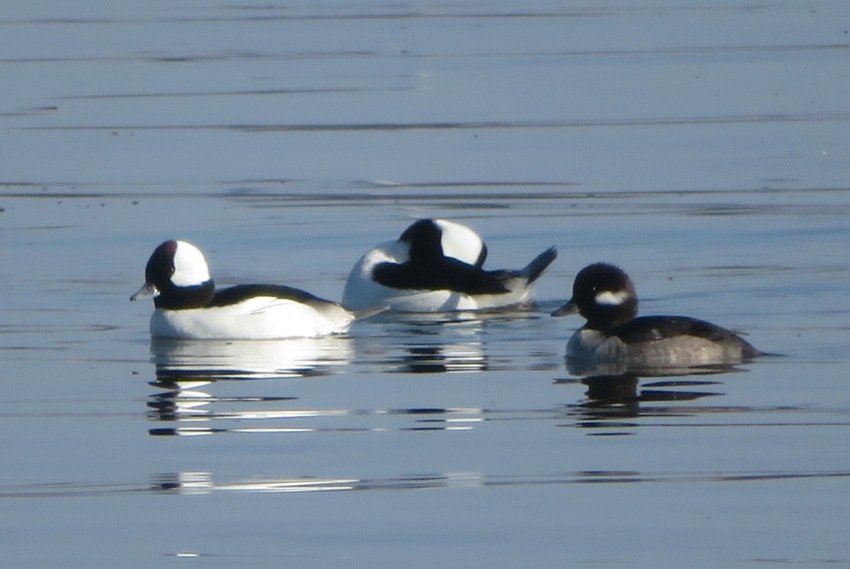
<point x="611" y="298"/>
<point x="190" y="266"/>
<point x="459" y="241"/>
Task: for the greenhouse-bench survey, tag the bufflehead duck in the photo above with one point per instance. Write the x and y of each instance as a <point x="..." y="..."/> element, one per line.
<point x="605" y="296"/>
<point x="189" y="307"/>
<point x="436" y="266"/>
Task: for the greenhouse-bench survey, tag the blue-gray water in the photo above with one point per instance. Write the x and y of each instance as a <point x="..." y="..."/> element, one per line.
<point x="705" y="149"/>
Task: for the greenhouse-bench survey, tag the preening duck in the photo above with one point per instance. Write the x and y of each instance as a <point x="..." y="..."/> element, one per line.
<point x="437" y="266"/>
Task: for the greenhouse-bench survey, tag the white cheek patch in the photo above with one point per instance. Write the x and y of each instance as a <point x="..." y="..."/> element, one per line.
<point x="190" y="267"/>
<point x="611" y="298"/>
<point x="459" y="241"/>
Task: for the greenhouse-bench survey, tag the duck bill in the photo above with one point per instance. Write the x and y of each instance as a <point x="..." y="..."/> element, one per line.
<point x="569" y="308"/>
<point x="147" y="290"/>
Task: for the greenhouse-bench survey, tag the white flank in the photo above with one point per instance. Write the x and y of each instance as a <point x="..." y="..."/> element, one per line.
<point x="260" y="318"/>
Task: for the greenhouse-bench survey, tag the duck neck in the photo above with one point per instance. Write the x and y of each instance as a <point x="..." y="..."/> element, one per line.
<point x="185" y="297"/>
<point x="606" y="318"/>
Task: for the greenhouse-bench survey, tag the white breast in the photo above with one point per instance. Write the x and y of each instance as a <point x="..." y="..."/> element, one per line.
<point x="362" y="292"/>
<point x="588" y="344"/>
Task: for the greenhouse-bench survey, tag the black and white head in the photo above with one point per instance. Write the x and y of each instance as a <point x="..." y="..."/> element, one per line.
<point x="177" y="270"/>
<point x="604" y="295"/>
<point x="429" y="239"/>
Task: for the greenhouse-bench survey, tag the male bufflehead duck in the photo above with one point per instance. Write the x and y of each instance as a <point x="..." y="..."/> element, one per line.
<point x="605" y="296"/>
<point x="189" y="307"/>
<point x="436" y="266"/>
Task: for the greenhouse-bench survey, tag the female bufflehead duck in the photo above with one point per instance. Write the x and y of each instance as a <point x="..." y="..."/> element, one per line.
<point x="436" y="266"/>
<point x="605" y="296"/>
<point x="189" y="307"/>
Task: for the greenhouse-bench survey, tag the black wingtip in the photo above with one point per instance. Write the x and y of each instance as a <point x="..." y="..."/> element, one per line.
<point x="539" y="265"/>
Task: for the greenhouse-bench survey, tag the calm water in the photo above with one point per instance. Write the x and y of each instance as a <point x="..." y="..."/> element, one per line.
<point x="704" y="149"/>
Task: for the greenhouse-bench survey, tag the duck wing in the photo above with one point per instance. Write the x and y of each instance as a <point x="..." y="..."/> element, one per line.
<point x="270" y="293"/>
<point x="445" y="273"/>
<point x="651" y="328"/>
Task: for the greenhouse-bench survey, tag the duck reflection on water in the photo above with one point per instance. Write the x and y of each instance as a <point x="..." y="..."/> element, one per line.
<point x="207" y="483"/>
<point x="616" y="392"/>
<point x="263" y="359"/>
<point x="443" y="358"/>
<point x="186" y="371"/>
<point x="208" y="387"/>
<point x="447" y="342"/>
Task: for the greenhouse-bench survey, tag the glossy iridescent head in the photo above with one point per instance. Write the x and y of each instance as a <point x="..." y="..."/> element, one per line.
<point x="177" y="273"/>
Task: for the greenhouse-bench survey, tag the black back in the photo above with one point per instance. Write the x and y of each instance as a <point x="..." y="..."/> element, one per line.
<point x="428" y="268"/>
<point x="444" y="273"/>
<point x="652" y="328"/>
<point x="239" y="293"/>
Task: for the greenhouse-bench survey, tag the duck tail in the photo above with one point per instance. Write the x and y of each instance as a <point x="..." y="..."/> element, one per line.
<point x="367" y="312"/>
<point x="539" y="264"/>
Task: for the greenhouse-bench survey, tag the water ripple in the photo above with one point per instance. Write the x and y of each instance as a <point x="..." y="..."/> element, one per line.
<point x="205" y="483"/>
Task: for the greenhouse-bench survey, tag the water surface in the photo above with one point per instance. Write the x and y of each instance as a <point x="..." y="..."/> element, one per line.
<point x="704" y="149"/>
